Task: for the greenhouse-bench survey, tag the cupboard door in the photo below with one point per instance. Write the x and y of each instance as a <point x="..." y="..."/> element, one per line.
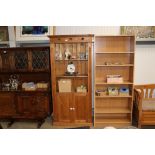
<point x="6" y="60"/>
<point x="21" y="60"/>
<point x="33" y="104"/>
<point x="64" y="101"/>
<point x="7" y="107"/>
<point x="40" y="104"/>
<point x="80" y="107"/>
<point x="24" y="103"/>
<point x="40" y="60"/>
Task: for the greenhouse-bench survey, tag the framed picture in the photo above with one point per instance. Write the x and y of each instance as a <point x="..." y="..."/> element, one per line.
<point x="4" y="36"/>
<point x="33" y="33"/>
<point x="140" y="32"/>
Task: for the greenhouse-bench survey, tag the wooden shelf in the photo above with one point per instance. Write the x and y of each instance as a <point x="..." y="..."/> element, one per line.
<point x="66" y="76"/>
<point x="73" y="92"/>
<point x="112" y="120"/>
<point x="74" y="60"/>
<point x="105" y="83"/>
<point x="125" y="65"/>
<point x="114" y="52"/>
<point x="24" y="72"/>
<point x="112" y="110"/>
<point x="119" y="96"/>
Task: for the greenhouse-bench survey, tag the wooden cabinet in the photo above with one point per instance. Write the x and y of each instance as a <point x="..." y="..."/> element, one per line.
<point x="71" y="89"/>
<point x="114" y="56"/>
<point x="27" y="64"/>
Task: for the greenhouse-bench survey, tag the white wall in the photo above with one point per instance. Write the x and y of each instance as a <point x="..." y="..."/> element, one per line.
<point x="144" y="55"/>
<point x="98" y="30"/>
<point x="145" y="64"/>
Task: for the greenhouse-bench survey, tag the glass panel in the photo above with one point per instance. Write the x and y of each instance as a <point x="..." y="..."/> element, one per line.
<point x="21" y="60"/>
<point x="40" y="59"/>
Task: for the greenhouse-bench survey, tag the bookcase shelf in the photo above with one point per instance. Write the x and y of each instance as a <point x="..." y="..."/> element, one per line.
<point x="114" y="55"/>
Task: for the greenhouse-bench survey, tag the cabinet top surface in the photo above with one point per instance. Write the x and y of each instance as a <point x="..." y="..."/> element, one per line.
<point x="19" y="48"/>
<point x="114" y="36"/>
<point x="78" y="35"/>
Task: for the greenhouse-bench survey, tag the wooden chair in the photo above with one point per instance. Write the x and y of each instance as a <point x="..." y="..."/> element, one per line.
<point x="144" y="103"/>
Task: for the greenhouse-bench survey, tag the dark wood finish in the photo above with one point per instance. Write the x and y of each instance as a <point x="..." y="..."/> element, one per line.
<point x="32" y="105"/>
<point x="7" y="104"/>
<point x="31" y="64"/>
<point x="72" y="108"/>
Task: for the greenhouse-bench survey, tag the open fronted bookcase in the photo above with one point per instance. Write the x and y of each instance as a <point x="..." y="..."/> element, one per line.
<point x="114" y="76"/>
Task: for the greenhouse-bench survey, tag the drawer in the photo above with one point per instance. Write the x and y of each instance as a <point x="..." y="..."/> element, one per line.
<point x="71" y="39"/>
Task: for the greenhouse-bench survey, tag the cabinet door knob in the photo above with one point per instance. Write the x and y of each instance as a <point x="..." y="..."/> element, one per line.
<point x="71" y="108"/>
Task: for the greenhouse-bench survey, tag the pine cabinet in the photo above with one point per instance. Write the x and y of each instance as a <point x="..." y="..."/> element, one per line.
<point x="71" y="60"/>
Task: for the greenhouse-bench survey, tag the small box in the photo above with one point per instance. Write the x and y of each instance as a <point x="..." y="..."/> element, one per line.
<point x="101" y="92"/>
<point x="42" y="85"/>
<point x="64" y="85"/>
<point x="114" y="79"/>
<point x="112" y="91"/>
<point x="81" y="89"/>
<point x="124" y="91"/>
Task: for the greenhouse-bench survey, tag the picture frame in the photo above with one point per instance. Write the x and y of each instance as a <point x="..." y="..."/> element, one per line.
<point x="141" y="33"/>
<point x="4" y="36"/>
<point x="33" y="33"/>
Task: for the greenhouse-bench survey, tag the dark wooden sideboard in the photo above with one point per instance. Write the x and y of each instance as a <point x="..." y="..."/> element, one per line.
<point x="27" y="64"/>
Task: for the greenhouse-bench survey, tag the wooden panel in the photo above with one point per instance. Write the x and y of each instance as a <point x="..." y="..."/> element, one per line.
<point x="7" y="105"/>
<point x="71" y="39"/>
<point x="113" y="44"/>
<point x="28" y="103"/>
<point x="102" y="72"/>
<point x="64" y="101"/>
<point x="81" y="107"/>
<point x="112" y="103"/>
<point x="111" y="58"/>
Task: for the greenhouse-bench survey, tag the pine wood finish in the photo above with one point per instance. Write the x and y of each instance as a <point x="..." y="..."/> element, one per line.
<point x="31" y="64"/>
<point x="144" y="93"/>
<point x="119" y="51"/>
<point x="72" y="108"/>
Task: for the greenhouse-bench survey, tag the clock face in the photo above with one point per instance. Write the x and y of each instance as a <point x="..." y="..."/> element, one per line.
<point x="71" y="68"/>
